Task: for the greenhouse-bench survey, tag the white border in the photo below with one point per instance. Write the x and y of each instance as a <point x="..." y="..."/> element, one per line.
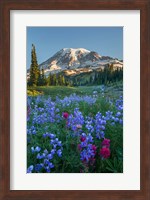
<point x="130" y="179"/>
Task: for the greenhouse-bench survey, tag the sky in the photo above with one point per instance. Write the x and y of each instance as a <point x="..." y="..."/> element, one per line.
<point x="106" y="41"/>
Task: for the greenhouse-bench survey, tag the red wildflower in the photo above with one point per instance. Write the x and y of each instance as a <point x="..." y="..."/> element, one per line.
<point x="94" y="147"/>
<point x="83" y="139"/>
<point x="105" y="152"/>
<point x="65" y="115"/>
<point x="106" y="143"/>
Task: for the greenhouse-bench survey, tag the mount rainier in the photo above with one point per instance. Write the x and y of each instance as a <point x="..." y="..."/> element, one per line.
<point x="75" y="61"/>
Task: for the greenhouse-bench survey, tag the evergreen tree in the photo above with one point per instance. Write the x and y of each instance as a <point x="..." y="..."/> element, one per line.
<point x="50" y="80"/>
<point x="39" y="82"/>
<point x="105" y="75"/>
<point x="43" y="79"/>
<point x="59" y="80"/>
<point x="63" y="80"/>
<point x="54" y="79"/>
<point x="91" y="80"/>
<point x="34" y="70"/>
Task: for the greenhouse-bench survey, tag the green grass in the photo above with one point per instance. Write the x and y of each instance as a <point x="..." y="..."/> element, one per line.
<point x="113" y="90"/>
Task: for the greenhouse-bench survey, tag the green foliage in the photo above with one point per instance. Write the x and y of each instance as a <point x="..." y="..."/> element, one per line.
<point x="106" y="76"/>
<point x="42" y="79"/>
<point x="34" y="70"/>
<point x="56" y="80"/>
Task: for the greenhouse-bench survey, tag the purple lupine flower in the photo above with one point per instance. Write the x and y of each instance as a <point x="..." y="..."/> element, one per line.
<point x="36" y="149"/>
<point x="50" y="156"/>
<point x="100" y="123"/>
<point x="30" y="169"/>
<point x="38" y="167"/>
<point x="53" y="151"/>
<point x="59" y="152"/>
<point x="51" y="165"/>
<point x="41" y="156"/>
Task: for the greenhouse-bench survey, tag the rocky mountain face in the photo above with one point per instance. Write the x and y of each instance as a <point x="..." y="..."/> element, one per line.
<point x="76" y="61"/>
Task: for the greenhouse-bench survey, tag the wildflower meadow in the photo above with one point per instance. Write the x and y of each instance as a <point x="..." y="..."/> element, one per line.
<point x="75" y="133"/>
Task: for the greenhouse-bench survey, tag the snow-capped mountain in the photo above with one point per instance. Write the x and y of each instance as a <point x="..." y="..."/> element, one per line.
<point x="75" y="59"/>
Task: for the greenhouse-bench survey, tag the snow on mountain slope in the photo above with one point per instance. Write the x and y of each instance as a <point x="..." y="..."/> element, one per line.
<point x="69" y="58"/>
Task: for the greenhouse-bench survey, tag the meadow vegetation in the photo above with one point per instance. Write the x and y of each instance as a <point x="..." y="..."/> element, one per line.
<point x="75" y="129"/>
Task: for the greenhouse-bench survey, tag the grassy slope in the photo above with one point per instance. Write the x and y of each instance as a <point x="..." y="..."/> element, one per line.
<point x="113" y="90"/>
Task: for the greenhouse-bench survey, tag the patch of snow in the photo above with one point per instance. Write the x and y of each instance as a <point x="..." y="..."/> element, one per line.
<point x="55" y="67"/>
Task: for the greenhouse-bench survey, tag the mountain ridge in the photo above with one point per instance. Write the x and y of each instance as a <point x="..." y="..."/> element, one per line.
<point x="71" y="58"/>
<point x="68" y="59"/>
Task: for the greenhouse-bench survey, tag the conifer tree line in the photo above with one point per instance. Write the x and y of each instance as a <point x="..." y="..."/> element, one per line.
<point x="106" y="76"/>
<point x="37" y="77"/>
<point x="57" y="79"/>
